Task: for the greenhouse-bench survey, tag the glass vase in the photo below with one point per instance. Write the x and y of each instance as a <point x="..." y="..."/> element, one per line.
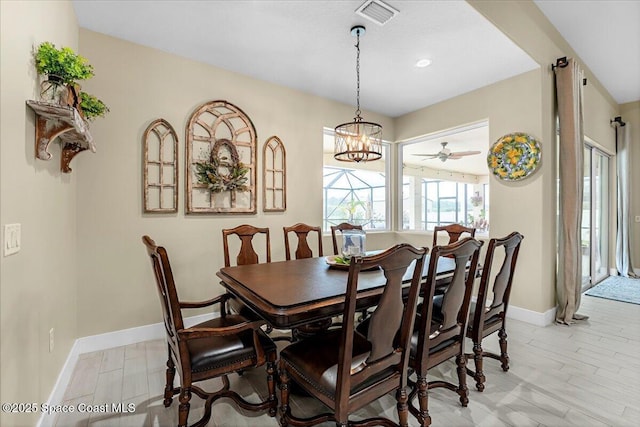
<point x="54" y="91"/>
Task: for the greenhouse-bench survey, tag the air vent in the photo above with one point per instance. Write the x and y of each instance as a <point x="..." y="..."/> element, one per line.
<point x="377" y="11"/>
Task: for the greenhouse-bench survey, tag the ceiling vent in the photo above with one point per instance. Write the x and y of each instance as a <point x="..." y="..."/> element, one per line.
<point x="377" y="11"/>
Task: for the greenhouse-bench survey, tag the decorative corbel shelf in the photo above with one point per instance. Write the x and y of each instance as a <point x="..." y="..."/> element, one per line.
<point x="62" y="121"/>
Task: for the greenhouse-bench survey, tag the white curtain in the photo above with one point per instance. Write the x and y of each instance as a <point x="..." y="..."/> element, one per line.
<point x="569" y="79"/>
<point x="623" y="243"/>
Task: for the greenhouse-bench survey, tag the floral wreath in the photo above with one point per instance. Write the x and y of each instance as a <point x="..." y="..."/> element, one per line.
<point x="208" y="172"/>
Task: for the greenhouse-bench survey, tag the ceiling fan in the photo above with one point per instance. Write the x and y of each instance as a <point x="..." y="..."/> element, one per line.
<point x="446" y="154"/>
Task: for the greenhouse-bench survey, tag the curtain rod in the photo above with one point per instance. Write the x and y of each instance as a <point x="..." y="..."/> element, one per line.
<point x="617" y="120"/>
<point x="563" y="62"/>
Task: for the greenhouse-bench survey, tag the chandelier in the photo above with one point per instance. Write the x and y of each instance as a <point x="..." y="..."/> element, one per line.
<point x="358" y="141"/>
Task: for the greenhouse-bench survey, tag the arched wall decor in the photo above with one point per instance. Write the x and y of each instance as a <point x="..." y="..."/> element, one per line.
<point x="160" y="168"/>
<point x="221" y="149"/>
<point x="274" y="182"/>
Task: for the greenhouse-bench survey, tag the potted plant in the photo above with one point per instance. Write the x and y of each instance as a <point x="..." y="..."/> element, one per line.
<point x="62" y="67"/>
<point x="62" y="64"/>
<point x="91" y="107"/>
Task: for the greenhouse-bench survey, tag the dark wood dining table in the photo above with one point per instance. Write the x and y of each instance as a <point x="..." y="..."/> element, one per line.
<point x="288" y="294"/>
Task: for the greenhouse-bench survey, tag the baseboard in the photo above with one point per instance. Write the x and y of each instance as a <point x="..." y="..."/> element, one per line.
<point x="533" y="317"/>
<point x="57" y="394"/>
<point x="614" y="271"/>
<point x="529" y="316"/>
<point x="102" y="342"/>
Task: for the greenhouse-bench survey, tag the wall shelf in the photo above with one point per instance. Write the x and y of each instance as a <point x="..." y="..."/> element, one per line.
<point x="52" y="121"/>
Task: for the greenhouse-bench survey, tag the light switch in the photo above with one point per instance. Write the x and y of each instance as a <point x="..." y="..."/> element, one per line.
<point x="11" y="239"/>
<point x="637" y="218"/>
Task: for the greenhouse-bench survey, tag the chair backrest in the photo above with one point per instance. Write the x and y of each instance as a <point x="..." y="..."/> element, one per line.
<point x="341" y="227"/>
<point x="169" y="301"/>
<point x="501" y="284"/>
<point x="247" y="254"/>
<point x="454" y="232"/>
<point x="391" y="323"/>
<point x="452" y="319"/>
<point x="302" y="231"/>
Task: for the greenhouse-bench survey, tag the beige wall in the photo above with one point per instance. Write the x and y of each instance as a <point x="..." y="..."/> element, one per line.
<point x="631" y="115"/>
<point x="38" y="284"/>
<point x="139" y="85"/>
<point x="82" y="268"/>
<point x="512" y="105"/>
<point x="525" y="24"/>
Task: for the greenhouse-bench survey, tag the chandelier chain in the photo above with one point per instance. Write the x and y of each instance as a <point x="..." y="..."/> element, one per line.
<point x="358" y="76"/>
<point x="357" y="141"/>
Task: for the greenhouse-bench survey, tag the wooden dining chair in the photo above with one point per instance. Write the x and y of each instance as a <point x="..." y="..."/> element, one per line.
<point x="247" y="253"/>
<point x="484" y="322"/>
<point x="439" y="332"/>
<point x="215" y="348"/>
<point x="303" y="250"/>
<point x="454" y="232"/>
<point x="341" y="227"/>
<point x="346" y="370"/>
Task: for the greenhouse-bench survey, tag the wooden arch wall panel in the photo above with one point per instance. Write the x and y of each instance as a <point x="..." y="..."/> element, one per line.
<point x="210" y="124"/>
<point x="160" y="168"/>
<point x="274" y="183"/>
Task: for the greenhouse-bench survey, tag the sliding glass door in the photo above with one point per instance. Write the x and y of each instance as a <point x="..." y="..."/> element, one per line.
<point x="595" y="217"/>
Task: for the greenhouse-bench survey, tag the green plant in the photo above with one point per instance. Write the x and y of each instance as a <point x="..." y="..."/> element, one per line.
<point x="354" y="209"/>
<point x="64" y="63"/>
<point x="92" y="107"/>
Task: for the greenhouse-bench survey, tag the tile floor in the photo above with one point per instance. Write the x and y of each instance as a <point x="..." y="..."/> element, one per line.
<point x="584" y="375"/>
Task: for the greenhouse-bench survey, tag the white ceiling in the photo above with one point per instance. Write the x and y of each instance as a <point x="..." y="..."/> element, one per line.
<point x="606" y="36"/>
<point x="307" y="45"/>
<point x="471" y="138"/>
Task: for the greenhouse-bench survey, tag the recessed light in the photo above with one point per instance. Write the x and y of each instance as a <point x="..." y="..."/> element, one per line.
<point x="423" y="63"/>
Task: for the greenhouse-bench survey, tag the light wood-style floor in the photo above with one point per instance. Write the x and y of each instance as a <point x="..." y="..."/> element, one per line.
<point x="584" y="375"/>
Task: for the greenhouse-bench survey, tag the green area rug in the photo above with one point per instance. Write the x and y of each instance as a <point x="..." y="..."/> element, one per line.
<point x="617" y="288"/>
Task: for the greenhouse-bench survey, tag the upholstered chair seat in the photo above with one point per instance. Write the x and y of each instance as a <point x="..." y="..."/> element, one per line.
<point x="212" y="353"/>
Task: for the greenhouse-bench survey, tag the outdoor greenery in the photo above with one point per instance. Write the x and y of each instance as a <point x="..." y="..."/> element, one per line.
<point x="63" y="63"/>
<point x="92" y="107"/>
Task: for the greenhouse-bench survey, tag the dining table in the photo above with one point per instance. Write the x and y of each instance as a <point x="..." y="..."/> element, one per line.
<point x="288" y="294"/>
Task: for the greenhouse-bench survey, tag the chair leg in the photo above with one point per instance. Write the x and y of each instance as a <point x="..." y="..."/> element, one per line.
<point x="504" y="357"/>
<point x="477" y="358"/>
<point x="271" y="385"/>
<point x="423" y="399"/>
<point x="403" y="407"/>
<point x="183" y="409"/>
<point x="463" y="391"/>
<point x="171" y="372"/>
<point x="284" y="396"/>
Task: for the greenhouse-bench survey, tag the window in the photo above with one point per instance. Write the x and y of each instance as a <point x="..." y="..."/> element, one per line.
<point x="355" y="193"/>
<point x="449" y="202"/>
<point x="595" y="218"/>
<point x="441" y="189"/>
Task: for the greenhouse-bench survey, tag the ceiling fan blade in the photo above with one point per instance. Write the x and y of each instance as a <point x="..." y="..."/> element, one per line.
<point x="433" y="156"/>
<point x="464" y="153"/>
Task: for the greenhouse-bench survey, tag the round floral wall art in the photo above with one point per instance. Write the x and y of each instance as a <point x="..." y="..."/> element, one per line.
<point x="514" y="156"/>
